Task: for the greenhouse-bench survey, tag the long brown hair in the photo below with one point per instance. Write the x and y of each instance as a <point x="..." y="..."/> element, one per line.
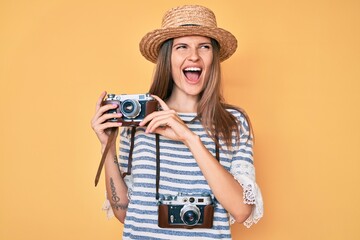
<point x="212" y="109"/>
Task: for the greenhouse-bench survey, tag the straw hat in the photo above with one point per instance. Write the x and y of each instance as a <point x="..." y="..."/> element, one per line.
<point x="185" y="21"/>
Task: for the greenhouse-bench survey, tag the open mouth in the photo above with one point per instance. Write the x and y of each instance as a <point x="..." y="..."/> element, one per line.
<point x="192" y="73"/>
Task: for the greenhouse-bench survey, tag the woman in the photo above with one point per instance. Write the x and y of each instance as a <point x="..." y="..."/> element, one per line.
<point x="204" y="145"/>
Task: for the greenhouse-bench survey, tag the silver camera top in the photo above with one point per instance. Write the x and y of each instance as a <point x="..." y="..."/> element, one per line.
<point x="123" y="97"/>
<point x="182" y="199"/>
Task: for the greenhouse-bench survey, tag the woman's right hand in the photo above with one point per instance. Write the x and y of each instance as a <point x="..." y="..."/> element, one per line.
<point x="99" y="122"/>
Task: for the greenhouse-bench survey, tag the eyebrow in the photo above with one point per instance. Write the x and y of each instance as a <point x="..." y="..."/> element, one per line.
<point x="182" y="43"/>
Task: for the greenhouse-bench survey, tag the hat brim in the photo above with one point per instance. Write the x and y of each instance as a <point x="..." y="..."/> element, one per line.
<point x="150" y="44"/>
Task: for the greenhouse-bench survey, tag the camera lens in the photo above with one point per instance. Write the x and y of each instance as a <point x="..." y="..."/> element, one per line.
<point x="190" y="215"/>
<point x="130" y="108"/>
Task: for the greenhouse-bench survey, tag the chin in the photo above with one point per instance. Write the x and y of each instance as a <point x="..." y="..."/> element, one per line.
<point x="193" y="93"/>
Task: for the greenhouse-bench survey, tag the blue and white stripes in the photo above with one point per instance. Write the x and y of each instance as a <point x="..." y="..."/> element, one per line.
<point x="179" y="173"/>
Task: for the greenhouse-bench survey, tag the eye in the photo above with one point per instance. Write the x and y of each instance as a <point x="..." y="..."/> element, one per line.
<point x="180" y="46"/>
<point x="206" y="46"/>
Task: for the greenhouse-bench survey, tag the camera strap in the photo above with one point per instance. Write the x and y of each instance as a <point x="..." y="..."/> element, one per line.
<point x="128" y="172"/>
<point x="106" y="150"/>
<point x="157" y="137"/>
<point x="103" y="157"/>
<point x="157" y="165"/>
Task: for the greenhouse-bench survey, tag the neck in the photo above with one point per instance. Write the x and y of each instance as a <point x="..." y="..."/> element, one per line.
<point x="183" y="104"/>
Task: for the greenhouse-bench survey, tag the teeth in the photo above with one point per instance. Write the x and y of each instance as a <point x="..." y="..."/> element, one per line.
<point x="193" y="69"/>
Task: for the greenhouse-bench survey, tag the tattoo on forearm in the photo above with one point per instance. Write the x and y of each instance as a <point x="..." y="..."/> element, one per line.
<point x="115" y="199"/>
<point x="116" y="160"/>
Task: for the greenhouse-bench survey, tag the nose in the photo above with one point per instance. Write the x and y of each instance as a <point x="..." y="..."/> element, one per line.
<point x="194" y="55"/>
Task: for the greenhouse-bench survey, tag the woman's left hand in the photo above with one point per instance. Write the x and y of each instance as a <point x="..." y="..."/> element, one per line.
<point x="167" y="123"/>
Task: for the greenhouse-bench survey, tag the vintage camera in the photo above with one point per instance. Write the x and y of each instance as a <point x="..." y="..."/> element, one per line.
<point x="185" y="211"/>
<point x="134" y="108"/>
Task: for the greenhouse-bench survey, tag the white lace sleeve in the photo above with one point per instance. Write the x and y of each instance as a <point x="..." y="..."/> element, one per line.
<point x="244" y="173"/>
<point x="107" y="208"/>
<point x="242" y="168"/>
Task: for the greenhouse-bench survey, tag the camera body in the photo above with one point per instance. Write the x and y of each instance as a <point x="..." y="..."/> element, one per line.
<point x="185" y="211"/>
<point x="134" y="108"/>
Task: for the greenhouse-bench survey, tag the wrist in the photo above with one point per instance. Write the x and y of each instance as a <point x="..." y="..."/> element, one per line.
<point x="192" y="140"/>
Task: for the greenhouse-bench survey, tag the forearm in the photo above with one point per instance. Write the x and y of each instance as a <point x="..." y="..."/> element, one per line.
<point x="225" y="187"/>
<point x="115" y="186"/>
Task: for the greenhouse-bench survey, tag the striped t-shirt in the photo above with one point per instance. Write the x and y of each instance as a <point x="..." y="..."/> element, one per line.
<point x="179" y="173"/>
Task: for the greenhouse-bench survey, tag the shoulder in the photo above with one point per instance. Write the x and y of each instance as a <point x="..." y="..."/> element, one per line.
<point x="241" y="118"/>
<point x="239" y="113"/>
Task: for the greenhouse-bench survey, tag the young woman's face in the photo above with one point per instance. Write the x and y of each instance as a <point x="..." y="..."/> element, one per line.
<point x="191" y="60"/>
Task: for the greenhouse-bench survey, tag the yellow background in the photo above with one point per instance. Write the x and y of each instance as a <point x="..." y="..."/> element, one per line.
<point x="296" y="72"/>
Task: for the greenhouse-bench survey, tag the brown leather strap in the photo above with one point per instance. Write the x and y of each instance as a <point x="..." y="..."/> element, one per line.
<point x="157" y="166"/>
<point x="106" y="150"/>
<point x="158" y="161"/>
<point x="133" y="130"/>
<point x="217" y="147"/>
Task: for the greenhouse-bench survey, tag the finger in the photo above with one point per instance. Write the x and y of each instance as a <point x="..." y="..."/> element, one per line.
<point x="163" y="105"/>
<point x="162" y="131"/>
<point x="102" y="110"/>
<point x="100" y="128"/>
<point x="99" y="101"/>
<point x="160" y="121"/>
<point x="156" y="114"/>
<point x="106" y="117"/>
<point x="158" y="125"/>
<point x="108" y="125"/>
<point x="169" y="119"/>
